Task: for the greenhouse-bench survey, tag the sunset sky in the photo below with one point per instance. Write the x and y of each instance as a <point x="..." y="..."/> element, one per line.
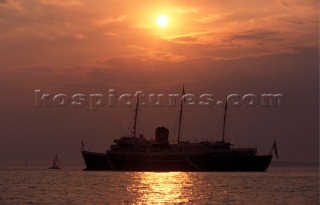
<point x="217" y="47"/>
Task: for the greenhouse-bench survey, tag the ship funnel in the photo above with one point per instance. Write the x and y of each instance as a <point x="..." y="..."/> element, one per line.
<point x="162" y="135"/>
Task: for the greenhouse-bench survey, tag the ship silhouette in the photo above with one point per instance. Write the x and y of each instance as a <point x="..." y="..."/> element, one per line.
<point x="135" y="153"/>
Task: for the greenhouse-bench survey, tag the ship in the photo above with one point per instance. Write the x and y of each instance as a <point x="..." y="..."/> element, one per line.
<point x="136" y="153"/>
<point x="55" y="162"/>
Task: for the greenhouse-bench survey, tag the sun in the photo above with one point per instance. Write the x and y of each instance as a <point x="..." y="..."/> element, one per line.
<point x="162" y="21"/>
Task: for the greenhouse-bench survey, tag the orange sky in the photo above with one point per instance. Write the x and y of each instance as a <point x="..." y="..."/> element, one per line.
<point x="220" y="47"/>
<point x="68" y="32"/>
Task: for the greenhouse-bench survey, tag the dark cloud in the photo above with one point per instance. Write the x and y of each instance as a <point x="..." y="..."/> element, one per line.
<point x="296" y="4"/>
<point x="298" y="21"/>
<point x="293" y="20"/>
<point x="256" y="34"/>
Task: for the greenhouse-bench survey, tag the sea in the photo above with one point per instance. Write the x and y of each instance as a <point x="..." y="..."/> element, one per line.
<point x="278" y="185"/>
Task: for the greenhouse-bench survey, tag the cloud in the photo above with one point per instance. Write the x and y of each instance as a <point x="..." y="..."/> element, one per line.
<point x="256" y="35"/>
<point x="108" y="20"/>
<point x="183" y="10"/>
<point x="213" y="17"/>
<point x="72" y="32"/>
<point x="11" y="5"/>
<point x="186" y="39"/>
<point x="293" y="20"/>
<point x="299" y="21"/>
<point x="61" y="2"/>
<point x="300" y="4"/>
<point x="80" y="36"/>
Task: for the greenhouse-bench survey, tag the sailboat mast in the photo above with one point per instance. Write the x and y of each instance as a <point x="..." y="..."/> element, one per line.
<point x="52" y="159"/>
<point x="55" y="160"/>
<point x="180" y="116"/>
<point x="224" y="121"/>
<point x="135" y="118"/>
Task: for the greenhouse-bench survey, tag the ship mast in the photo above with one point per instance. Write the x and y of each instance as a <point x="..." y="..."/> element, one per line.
<point x="224" y="121"/>
<point x="134" y="131"/>
<point x="180" y="116"/>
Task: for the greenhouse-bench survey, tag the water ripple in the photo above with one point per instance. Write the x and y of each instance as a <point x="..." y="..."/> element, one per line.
<point x="277" y="186"/>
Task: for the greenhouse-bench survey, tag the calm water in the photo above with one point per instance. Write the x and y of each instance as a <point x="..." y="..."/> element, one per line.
<point x="73" y="186"/>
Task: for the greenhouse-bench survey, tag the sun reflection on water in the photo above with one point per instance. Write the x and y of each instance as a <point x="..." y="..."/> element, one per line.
<point x="157" y="188"/>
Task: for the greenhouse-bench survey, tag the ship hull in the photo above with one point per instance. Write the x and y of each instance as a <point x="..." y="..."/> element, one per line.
<point x="163" y="162"/>
<point x="232" y="163"/>
<point x="95" y="161"/>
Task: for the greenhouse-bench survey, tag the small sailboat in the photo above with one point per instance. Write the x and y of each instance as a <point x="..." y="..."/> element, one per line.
<point x="55" y="162"/>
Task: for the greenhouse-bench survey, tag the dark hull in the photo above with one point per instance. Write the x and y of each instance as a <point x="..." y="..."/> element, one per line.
<point x="54" y="168"/>
<point x="95" y="161"/>
<point x="113" y="161"/>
